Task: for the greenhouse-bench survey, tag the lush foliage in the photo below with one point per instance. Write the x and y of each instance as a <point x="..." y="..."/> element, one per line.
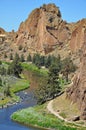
<point x="37" y="116"/>
<point x="15" y="67"/>
<point x="29" y="58"/>
<point x="49" y="88"/>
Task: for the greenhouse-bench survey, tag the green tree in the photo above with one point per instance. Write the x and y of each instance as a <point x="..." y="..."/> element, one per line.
<point x="11" y="56"/>
<point x="41" y="92"/>
<point x="0" y="62"/>
<point x="67" y="67"/>
<point x="36" y="60"/>
<point x="22" y="58"/>
<point x="29" y="58"/>
<point x="20" y="47"/>
<point x="5" y="55"/>
<point x="42" y="60"/>
<point x="0" y="81"/>
<point x="15" y="67"/>
<point x="48" y="61"/>
<point x="50" y="87"/>
<point x="3" y="71"/>
<point x="17" y="57"/>
<point x="7" y="91"/>
<point x="53" y="81"/>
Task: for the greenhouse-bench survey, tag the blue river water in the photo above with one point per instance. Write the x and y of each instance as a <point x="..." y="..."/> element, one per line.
<point x="6" y="123"/>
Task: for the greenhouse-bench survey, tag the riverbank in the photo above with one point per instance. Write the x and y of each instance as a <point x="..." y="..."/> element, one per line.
<point x="39" y="116"/>
<point x="16" y="86"/>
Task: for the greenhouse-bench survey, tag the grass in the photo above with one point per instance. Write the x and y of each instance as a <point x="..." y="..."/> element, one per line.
<point x="35" y="69"/>
<point x="20" y="85"/>
<point x="63" y="114"/>
<point x="66" y="108"/>
<point x="39" y="116"/>
<point x="15" y="86"/>
<point x="5" y="101"/>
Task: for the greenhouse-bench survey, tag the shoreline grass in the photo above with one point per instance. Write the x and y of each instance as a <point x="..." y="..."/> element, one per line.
<point x="35" y="69"/>
<point x="39" y="116"/>
<point x="19" y="85"/>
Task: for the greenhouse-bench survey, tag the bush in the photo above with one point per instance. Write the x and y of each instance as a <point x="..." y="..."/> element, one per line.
<point x="29" y="58"/>
<point x="15" y="67"/>
<point x="22" y="58"/>
<point x="20" y="47"/>
<point x="11" y="56"/>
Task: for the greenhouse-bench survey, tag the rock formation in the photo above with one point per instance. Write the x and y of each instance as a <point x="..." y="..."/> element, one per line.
<point x="77" y="91"/>
<point x="43" y="30"/>
<point x="78" y="35"/>
<point x="2" y="31"/>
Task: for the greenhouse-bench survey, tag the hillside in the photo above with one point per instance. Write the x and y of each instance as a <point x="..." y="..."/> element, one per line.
<point x="44" y="32"/>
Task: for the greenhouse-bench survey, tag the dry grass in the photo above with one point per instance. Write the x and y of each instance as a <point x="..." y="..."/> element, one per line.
<point x="65" y="107"/>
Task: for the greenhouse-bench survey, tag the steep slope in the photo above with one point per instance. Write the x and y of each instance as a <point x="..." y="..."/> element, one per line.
<point x="78" y="35"/>
<point x="2" y="31"/>
<point x="43" y="30"/>
<point x="77" y="91"/>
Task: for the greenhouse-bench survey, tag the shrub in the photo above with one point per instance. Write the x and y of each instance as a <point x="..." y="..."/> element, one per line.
<point x="20" y="47"/>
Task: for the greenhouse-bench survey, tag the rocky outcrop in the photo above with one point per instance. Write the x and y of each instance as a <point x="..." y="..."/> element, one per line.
<point x="2" y="31"/>
<point x="43" y="30"/>
<point x="77" y="91"/>
<point x="78" y="35"/>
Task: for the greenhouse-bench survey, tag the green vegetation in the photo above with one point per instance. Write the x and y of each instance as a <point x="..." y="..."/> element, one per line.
<point x="29" y="58"/>
<point x="50" y="87"/>
<point x="15" y="67"/>
<point x="22" y="59"/>
<point x="5" y="55"/>
<point x="50" y="84"/>
<point x="39" y="116"/>
<point x="20" y="47"/>
<point x="11" y="56"/>
<point x="35" y="69"/>
<point x="8" y="93"/>
<point x="66" y="108"/>
<point x="11" y="81"/>
<point x="20" y="85"/>
<point x="53" y="84"/>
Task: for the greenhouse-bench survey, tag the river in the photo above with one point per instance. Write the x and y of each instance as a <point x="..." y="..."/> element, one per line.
<point x="6" y="123"/>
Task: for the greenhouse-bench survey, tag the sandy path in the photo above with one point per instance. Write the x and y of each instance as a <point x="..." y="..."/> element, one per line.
<point x="50" y="109"/>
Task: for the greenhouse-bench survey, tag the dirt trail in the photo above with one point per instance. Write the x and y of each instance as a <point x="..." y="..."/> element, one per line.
<point x="50" y="108"/>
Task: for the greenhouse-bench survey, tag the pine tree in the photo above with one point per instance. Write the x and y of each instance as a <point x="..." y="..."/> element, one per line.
<point x="42" y="60"/>
<point x="50" y="87"/>
<point x="0" y="62"/>
<point x="15" y="67"/>
<point x="48" y="61"/>
<point x="5" y="55"/>
<point x="22" y="58"/>
<point x="20" y="47"/>
<point x="53" y="81"/>
<point x="0" y="81"/>
<point x="11" y="56"/>
<point x="29" y="59"/>
<point x="36" y="60"/>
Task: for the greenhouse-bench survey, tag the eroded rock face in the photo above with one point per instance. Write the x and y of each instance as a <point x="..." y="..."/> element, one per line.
<point x="77" y="91"/>
<point x="2" y="31"/>
<point x="78" y="35"/>
<point x="43" y="30"/>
